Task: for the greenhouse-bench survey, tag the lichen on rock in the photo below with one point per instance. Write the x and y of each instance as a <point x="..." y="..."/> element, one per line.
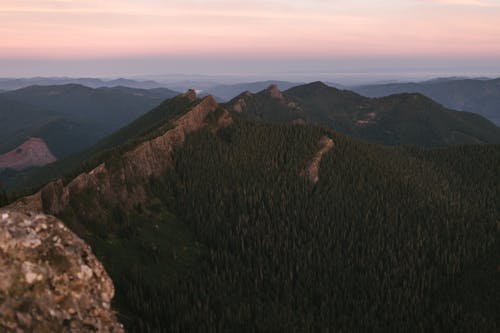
<point x="49" y="279"/>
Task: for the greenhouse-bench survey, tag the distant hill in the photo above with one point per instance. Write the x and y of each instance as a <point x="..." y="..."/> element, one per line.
<point x="146" y="126"/>
<point x="17" y="83"/>
<point x="72" y="117"/>
<point x="480" y="96"/>
<point x="402" y="119"/>
<point x="228" y="91"/>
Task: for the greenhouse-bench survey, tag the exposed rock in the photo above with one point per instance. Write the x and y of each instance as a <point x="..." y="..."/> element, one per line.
<point x="239" y="105"/>
<point x="121" y="183"/>
<point x="224" y="120"/>
<point x="49" y="279"/>
<point x="367" y="119"/>
<point x="275" y="92"/>
<point x="312" y="171"/>
<point x="54" y="196"/>
<point x="190" y="94"/>
<point x="33" y="152"/>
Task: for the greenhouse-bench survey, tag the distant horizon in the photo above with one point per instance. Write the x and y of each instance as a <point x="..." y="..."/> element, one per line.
<point x="343" y="79"/>
<point x="348" y="41"/>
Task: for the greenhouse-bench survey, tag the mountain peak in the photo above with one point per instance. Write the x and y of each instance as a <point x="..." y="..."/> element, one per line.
<point x="209" y="100"/>
<point x="274" y="91"/>
<point x="315" y="89"/>
<point x="190" y="94"/>
<point x="318" y="85"/>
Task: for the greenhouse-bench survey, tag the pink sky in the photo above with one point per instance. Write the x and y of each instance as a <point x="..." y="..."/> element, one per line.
<point x="296" y="28"/>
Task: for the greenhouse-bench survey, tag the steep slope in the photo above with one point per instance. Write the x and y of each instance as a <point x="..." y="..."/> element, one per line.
<point x="31" y="153"/>
<point x="208" y="224"/>
<point x="119" y="181"/>
<point x="478" y="96"/>
<point x="146" y="125"/>
<point x="410" y="119"/>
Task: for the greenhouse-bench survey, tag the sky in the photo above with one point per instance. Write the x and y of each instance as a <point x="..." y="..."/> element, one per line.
<point x="294" y="38"/>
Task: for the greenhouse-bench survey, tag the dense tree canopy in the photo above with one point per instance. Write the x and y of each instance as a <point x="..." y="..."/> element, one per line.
<point x="233" y="238"/>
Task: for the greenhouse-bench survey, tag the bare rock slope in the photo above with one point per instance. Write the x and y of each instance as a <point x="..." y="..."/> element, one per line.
<point x="49" y="279"/>
<point x="312" y="170"/>
<point x="33" y="152"/>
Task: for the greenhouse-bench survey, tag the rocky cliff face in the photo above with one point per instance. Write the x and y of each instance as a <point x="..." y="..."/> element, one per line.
<point x="121" y="182"/>
<point x="49" y="279"/>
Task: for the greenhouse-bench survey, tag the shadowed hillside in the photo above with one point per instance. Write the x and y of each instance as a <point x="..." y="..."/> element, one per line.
<point x="478" y="96"/>
<point x="70" y="118"/>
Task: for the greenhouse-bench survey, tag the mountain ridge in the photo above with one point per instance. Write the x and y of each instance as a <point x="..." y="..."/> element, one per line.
<point x="408" y="118"/>
<point x="139" y="164"/>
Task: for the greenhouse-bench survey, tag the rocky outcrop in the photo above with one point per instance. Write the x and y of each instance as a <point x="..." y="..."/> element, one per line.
<point x="33" y="152"/>
<point x="274" y="91"/>
<point x="312" y="170"/>
<point x="240" y="104"/>
<point x="49" y="279"/>
<point x="121" y="181"/>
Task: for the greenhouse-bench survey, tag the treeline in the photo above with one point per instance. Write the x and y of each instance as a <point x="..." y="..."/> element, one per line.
<point x="235" y="239"/>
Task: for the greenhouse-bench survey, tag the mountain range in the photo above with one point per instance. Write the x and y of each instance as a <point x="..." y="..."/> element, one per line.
<point x="480" y="96"/>
<point x="70" y="118"/>
<point x="400" y="119"/>
<point x="18" y="83"/>
<point x="216" y="219"/>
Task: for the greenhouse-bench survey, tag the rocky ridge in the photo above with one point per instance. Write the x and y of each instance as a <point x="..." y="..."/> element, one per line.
<point x="120" y="182"/>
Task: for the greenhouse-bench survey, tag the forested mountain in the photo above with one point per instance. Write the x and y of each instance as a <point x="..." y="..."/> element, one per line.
<point x="480" y="96"/>
<point x="214" y="222"/>
<point x="145" y="125"/>
<point x="410" y="119"/>
<point x="117" y="104"/>
<point x="70" y="118"/>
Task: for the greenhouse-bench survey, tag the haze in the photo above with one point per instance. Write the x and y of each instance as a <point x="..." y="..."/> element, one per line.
<point x="294" y="39"/>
